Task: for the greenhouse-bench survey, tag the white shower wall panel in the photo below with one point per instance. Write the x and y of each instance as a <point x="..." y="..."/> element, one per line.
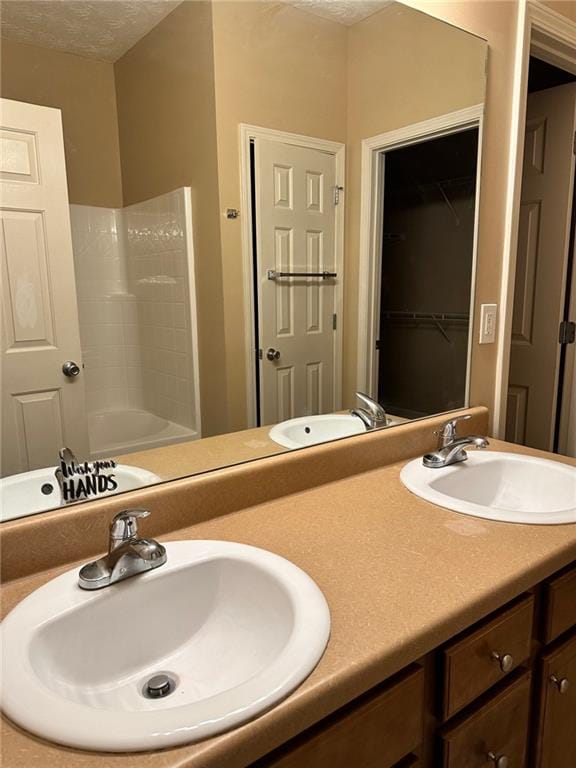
<point x="107" y="312"/>
<point x="137" y="312"/>
<point x="158" y="243"/>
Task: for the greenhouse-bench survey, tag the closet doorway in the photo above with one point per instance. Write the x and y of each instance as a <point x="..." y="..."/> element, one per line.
<point x="427" y="256"/>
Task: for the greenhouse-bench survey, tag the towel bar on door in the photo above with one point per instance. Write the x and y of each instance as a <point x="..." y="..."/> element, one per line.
<point x="274" y="275"/>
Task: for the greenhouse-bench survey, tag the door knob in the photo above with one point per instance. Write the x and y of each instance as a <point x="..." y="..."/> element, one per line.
<point x="70" y="368"/>
<point x="273" y="354"/>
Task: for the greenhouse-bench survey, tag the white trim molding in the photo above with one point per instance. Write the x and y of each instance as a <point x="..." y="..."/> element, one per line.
<point x="193" y="308"/>
<point x="551" y="37"/>
<point x="371" y="211"/>
<point x="247" y="133"/>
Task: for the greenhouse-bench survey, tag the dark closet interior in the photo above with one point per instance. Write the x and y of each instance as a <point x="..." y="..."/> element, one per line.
<point x="427" y="253"/>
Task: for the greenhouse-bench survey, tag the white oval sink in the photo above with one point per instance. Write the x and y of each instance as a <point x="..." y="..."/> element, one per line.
<point x="22" y="494"/>
<point x="235" y="627"/>
<point x="310" y="430"/>
<point x="508" y="487"/>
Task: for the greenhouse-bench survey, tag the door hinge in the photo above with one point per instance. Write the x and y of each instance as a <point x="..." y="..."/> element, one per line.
<point x="334" y="321"/>
<point x="567" y="333"/>
<point x="337" y="191"/>
<point x="574" y="146"/>
<point x="378" y="344"/>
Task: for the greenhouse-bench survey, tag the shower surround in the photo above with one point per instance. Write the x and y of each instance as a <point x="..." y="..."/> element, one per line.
<point x="137" y="309"/>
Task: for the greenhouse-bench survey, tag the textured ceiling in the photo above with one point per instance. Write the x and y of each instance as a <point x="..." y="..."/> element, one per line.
<point x="345" y="11"/>
<point x="99" y="29"/>
<point x="106" y="29"/>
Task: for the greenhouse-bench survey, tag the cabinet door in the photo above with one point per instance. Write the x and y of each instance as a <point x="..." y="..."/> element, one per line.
<point x="376" y="731"/>
<point x="556" y="743"/>
<point x="494" y="734"/>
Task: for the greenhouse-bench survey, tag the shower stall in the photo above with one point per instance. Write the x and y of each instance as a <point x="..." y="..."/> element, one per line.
<point x="137" y="312"/>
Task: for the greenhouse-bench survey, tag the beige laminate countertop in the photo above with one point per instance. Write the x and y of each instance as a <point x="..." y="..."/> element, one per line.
<point x="194" y="456"/>
<point x="400" y="575"/>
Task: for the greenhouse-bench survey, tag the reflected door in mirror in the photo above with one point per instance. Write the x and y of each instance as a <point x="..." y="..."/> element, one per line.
<point x="295" y="242"/>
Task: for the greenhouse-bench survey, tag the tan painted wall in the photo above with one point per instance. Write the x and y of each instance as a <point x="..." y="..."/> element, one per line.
<point x="565" y="7"/>
<point x="403" y="67"/>
<point x="84" y="90"/>
<point x="277" y="67"/>
<point x="166" y="114"/>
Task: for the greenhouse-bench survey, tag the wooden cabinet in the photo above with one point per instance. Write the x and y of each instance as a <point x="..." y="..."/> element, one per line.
<point x="502" y="693"/>
<point x="556" y="740"/>
<point x="483" y="657"/>
<point x="377" y="731"/>
<point x="495" y="733"/>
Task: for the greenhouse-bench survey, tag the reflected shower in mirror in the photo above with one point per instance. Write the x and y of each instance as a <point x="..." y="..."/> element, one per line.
<point x="221" y="221"/>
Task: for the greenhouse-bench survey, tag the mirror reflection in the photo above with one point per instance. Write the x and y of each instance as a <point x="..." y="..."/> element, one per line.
<point x="230" y="229"/>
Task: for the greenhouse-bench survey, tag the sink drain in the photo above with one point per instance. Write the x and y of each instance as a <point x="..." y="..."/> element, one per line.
<point x="158" y="686"/>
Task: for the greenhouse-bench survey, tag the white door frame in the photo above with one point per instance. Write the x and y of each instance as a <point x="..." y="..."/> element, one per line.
<point x="247" y="134"/>
<point x="371" y="218"/>
<point x="552" y="37"/>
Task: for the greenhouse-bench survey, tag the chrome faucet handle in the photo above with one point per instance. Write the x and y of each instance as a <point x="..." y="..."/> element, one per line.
<point x="374" y="408"/>
<point x="67" y="456"/>
<point x="449" y="431"/>
<point x="124" y="526"/>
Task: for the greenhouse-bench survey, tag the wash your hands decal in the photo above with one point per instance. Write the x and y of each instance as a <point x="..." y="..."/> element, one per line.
<point x="82" y="479"/>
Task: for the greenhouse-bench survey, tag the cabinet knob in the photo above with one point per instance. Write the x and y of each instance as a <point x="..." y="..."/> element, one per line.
<point x="500" y="761"/>
<point x="561" y="683"/>
<point x="505" y="661"/>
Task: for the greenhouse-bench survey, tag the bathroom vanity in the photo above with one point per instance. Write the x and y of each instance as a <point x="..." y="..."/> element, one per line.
<point x="420" y="599"/>
<point x="500" y="693"/>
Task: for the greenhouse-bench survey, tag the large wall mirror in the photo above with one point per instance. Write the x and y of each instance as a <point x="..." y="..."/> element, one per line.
<point x="222" y="220"/>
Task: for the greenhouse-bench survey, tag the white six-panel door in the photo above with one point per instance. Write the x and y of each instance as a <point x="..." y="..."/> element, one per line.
<point x="42" y="409"/>
<point x="295" y="232"/>
<point x="543" y="247"/>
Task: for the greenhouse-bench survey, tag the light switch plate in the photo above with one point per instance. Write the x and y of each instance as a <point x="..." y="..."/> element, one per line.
<point x="488" y="320"/>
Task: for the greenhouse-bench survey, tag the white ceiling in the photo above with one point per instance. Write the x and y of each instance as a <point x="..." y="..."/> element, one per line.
<point x="99" y="29"/>
<point x="106" y="29"/>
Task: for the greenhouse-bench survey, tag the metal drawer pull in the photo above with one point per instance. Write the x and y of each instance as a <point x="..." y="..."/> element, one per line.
<point x="273" y="275"/>
<point x="505" y="661"/>
<point x="561" y="683"/>
<point x="500" y="761"/>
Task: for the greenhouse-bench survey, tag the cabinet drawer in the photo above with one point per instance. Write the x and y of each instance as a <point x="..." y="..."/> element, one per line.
<point x="497" y="729"/>
<point x="486" y="655"/>
<point x="559" y="605"/>
<point x="377" y="731"/>
<point x="556" y="740"/>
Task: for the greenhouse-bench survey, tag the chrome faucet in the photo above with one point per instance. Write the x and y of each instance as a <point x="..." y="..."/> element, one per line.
<point x="127" y="555"/>
<point x="373" y="416"/>
<point x="451" y="447"/>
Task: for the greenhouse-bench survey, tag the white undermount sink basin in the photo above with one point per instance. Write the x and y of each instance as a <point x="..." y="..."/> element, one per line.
<point x="508" y="487"/>
<point x="235" y="628"/>
<point x="22" y="494"/>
